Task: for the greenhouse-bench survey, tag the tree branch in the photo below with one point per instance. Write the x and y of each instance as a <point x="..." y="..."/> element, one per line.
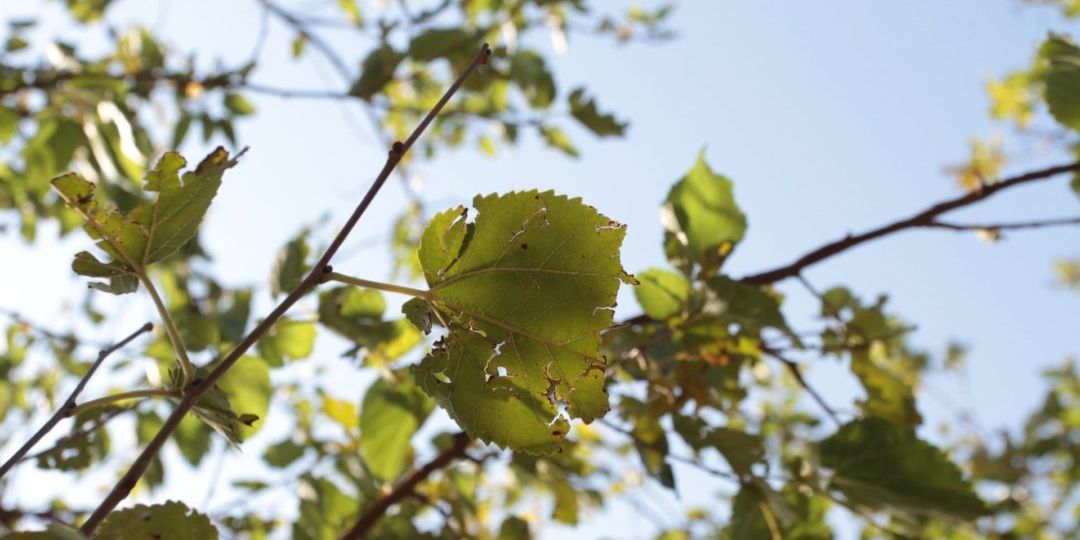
<point x="69" y="405"/>
<point x="925" y="218"/>
<point x="796" y="372"/>
<point x="193" y="392"/>
<point x="372" y="514"/>
<point x="1008" y="226"/>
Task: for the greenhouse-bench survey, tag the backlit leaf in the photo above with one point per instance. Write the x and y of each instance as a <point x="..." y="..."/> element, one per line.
<point x="701" y="217"/>
<point x="389" y="416"/>
<point x="880" y="465"/>
<point x="525" y="290"/>
<point x="169" y="521"/>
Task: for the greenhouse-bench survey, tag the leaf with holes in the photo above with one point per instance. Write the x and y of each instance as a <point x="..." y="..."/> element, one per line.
<point x="152" y="230"/>
<point x="169" y="521"/>
<point x="525" y="291"/>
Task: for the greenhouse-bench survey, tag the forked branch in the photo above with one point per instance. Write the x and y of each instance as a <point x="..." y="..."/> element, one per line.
<point x="925" y="218"/>
<point x="371" y="515"/>
<point x="193" y="392"/>
<point x="69" y="406"/>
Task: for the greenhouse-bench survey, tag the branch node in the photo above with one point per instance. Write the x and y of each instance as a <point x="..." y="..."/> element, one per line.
<point x="485" y="54"/>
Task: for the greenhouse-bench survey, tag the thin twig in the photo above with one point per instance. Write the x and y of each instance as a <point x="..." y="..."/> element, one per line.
<point x="79" y="433"/>
<point x="796" y="372"/>
<point x="193" y="392"/>
<point x="924" y="218"/>
<point x="1007" y="226"/>
<point x="69" y="405"/>
<point x="371" y="515"/>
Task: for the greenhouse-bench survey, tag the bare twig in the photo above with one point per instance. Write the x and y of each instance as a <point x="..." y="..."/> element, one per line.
<point x="1007" y="226"/>
<point x="371" y="515"/>
<point x="796" y="372"/>
<point x="193" y="392"/>
<point x="925" y="218"/>
<point x="69" y="405"/>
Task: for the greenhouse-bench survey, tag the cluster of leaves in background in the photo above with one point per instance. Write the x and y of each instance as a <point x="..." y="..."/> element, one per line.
<point x="701" y="378"/>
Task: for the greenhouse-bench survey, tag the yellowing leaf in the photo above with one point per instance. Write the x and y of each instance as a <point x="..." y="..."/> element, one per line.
<point x="525" y="291"/>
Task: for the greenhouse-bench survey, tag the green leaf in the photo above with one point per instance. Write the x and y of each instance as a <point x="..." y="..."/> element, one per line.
<point x="759" y="513"/>
<point x="325" y="510"/>
<point x="701" y="217"/>
<point x="889" y="394"/>
<point x="152" y="230"/>
<point x="193" y="439"/>
<point x="879" y="465"/>
<point x="389" y="416"/>
<point x="214" y="407"/>
<point x="586" y="111"/>
<point x="290" y="265"/>
<point x="352" y="11"/>
<point x="239" y="105"/>
<point x="566" y="501"/>
<point x="662" y="293"/>
<point x="741" y="450"/>
<point x="284" y="453"/>
<point x="436" y="43"/>
<point x="376" y="72"/>
<point x="514" y="528"/>
<point x="1062" y="78"/>
<point x="169" y="521"/>
<point x="247" y="384"/>
<point x="526" y="290"/>
<point x="9" y="124"/>
<point x="557" y="139"/>
<point x="287" y="340"/>
<point x="529" y="71"/>
<point x="750" y="307"/>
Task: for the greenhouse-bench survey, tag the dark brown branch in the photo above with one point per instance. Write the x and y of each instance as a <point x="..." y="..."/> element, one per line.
<point x="1008" y="226"/>
<point x="198" y="388"/>
<point x="372" y="514"/>
<point x="69" y="404"/>
<point x="925" y="218"/>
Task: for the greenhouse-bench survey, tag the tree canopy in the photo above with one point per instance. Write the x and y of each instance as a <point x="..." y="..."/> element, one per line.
<point x="509" y="380"/>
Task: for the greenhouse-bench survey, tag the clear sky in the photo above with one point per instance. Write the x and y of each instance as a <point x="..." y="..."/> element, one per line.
<point x="830" y="117"/>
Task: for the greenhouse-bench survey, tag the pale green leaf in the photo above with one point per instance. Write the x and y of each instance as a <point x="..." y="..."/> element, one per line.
<point x="247" y="384"/>
<point x="389" y="416"/>
<point x="287" y="340"/>
<point x="585" y="111"/>
<point x="701" y="217"/>
<point x="662" y="293"/>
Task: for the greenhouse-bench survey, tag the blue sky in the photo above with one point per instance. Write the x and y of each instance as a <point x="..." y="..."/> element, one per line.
<point x="829" y="117"/>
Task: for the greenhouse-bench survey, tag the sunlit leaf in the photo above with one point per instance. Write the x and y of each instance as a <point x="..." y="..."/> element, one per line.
<point x="503" y="370"/>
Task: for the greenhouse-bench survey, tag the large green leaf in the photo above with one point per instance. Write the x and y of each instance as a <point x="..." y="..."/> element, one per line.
<point x="880" y="465"/>
<point x="1062" y="79"/>
<point x="389" y="416"/>
<point x="703" y="222"/>
<point x="525" y="291"/>
<point x="152" y="230"/>
<point x="169" y="521"/>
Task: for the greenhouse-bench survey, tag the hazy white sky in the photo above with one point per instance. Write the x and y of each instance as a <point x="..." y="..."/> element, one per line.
<point x="829" y="116"/>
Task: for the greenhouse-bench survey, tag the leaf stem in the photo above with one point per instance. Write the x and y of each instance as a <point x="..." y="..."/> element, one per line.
<point x="66" y="409"/>
<point x="170" y="329"/>
<point x="378" y="285"/>
<point x="124" y="396"/>
<point x="193" y="392"/>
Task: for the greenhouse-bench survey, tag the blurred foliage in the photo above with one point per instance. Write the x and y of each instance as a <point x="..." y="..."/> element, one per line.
<point x="700" y="383"/>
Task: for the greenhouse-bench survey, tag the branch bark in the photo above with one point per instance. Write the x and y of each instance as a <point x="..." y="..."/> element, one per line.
<point x="372" y="514"/>
<point x="193" y="392"/>
<point x="69" y="405"/>
<point x="925" y="218"/>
